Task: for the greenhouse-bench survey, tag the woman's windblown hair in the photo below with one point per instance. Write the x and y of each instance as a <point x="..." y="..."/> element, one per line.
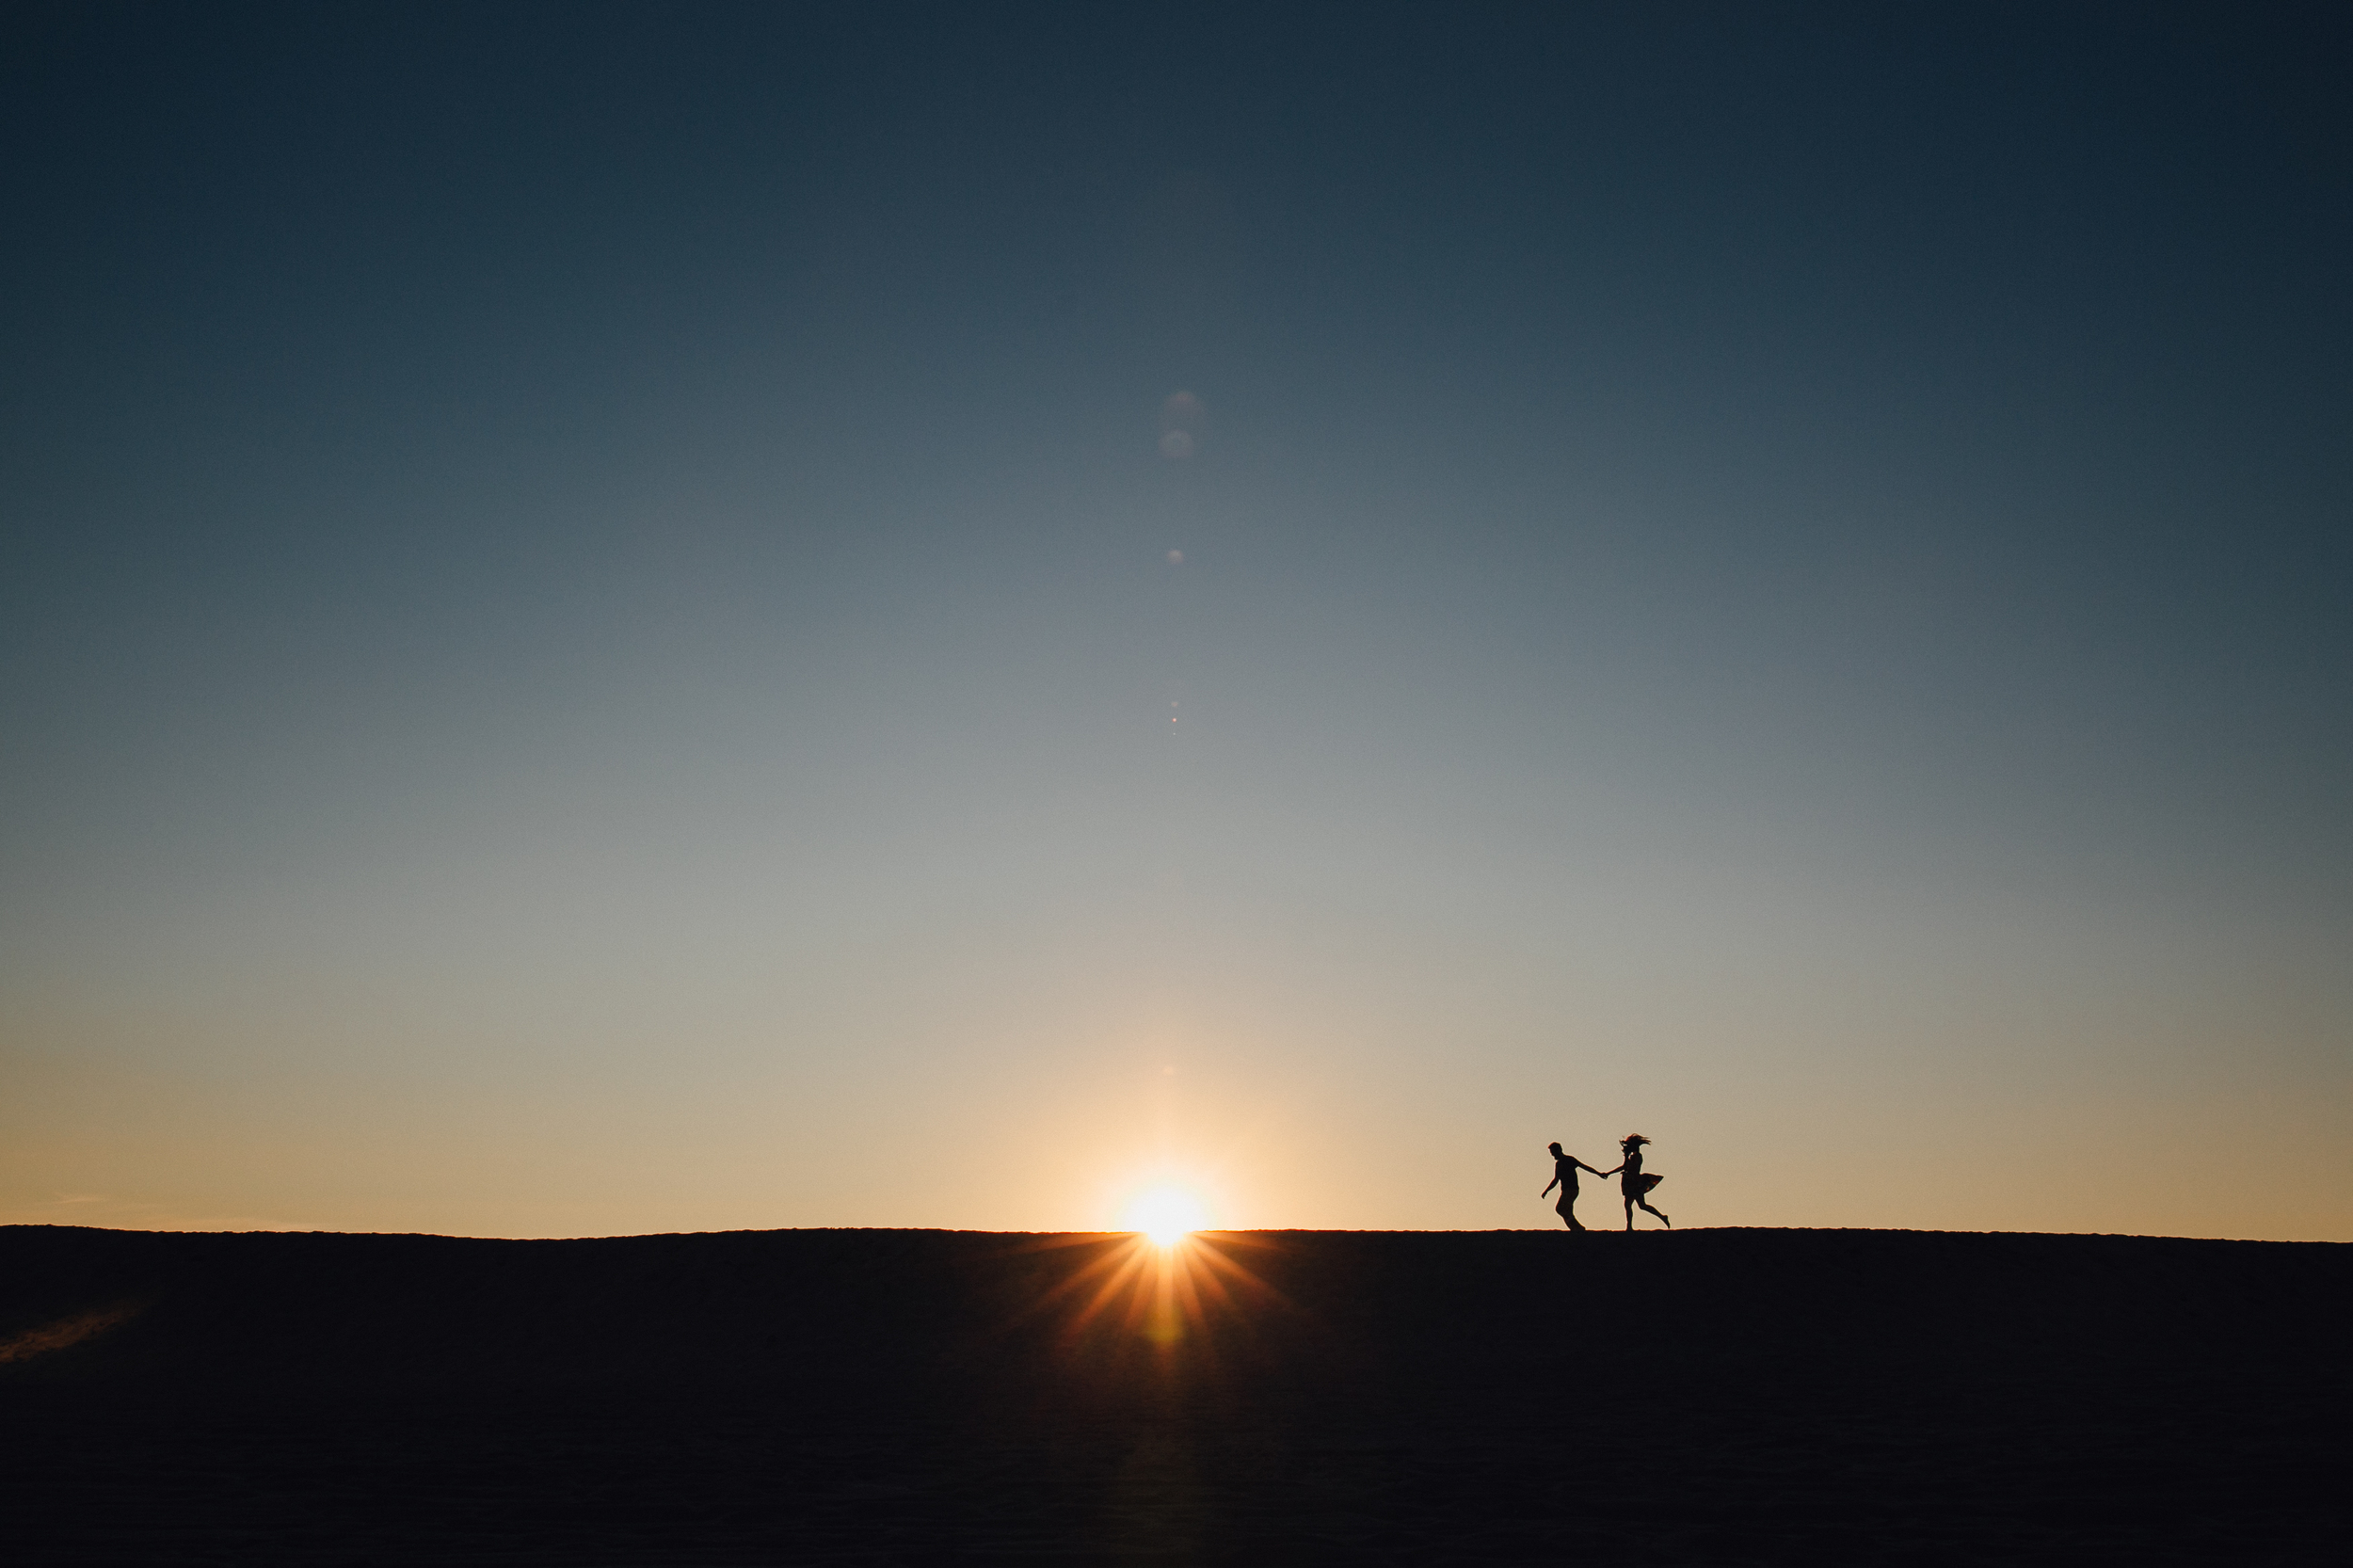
<point x="1632" y="1140"/>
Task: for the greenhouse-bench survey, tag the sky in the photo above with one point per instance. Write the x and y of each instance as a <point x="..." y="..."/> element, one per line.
<point x="641" y="619"/>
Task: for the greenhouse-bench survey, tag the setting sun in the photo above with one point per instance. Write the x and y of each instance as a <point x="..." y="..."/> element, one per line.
<point x="1166" y="1214"/>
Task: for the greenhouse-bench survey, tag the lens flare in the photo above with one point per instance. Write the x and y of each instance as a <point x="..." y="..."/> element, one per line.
<point x="1169" y="1282"/>
<point x="1166" y="1214"/>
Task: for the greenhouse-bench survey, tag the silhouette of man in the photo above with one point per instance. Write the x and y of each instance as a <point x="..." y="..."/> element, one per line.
<point x="1564" y="1169"/>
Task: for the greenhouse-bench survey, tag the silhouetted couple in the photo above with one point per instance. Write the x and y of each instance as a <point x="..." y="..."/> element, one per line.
<point x="1632" y="1183"/>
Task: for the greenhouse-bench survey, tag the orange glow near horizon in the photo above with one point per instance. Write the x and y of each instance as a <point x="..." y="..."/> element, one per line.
<point x="1161" y="1290"/>
<point x="1166" y="1214"/>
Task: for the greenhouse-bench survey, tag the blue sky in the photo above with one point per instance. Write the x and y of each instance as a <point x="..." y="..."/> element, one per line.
<point x="598" y="633"/>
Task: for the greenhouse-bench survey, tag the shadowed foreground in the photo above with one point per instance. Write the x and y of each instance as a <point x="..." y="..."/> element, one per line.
<point x="1718" y="1396"/>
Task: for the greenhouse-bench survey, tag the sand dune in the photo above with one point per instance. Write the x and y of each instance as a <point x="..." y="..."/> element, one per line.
<point x="1739" y="1395"/>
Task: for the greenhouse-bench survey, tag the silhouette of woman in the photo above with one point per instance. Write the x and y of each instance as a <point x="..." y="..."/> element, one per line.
<point x="1632" y="1183"/>
<point x="1564" y="1169"/>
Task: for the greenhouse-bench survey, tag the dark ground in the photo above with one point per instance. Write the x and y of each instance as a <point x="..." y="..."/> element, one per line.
<point x="1716" y="1397"/>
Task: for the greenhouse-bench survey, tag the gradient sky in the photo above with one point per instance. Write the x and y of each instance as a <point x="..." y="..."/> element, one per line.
<point x="670" y="617"/>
